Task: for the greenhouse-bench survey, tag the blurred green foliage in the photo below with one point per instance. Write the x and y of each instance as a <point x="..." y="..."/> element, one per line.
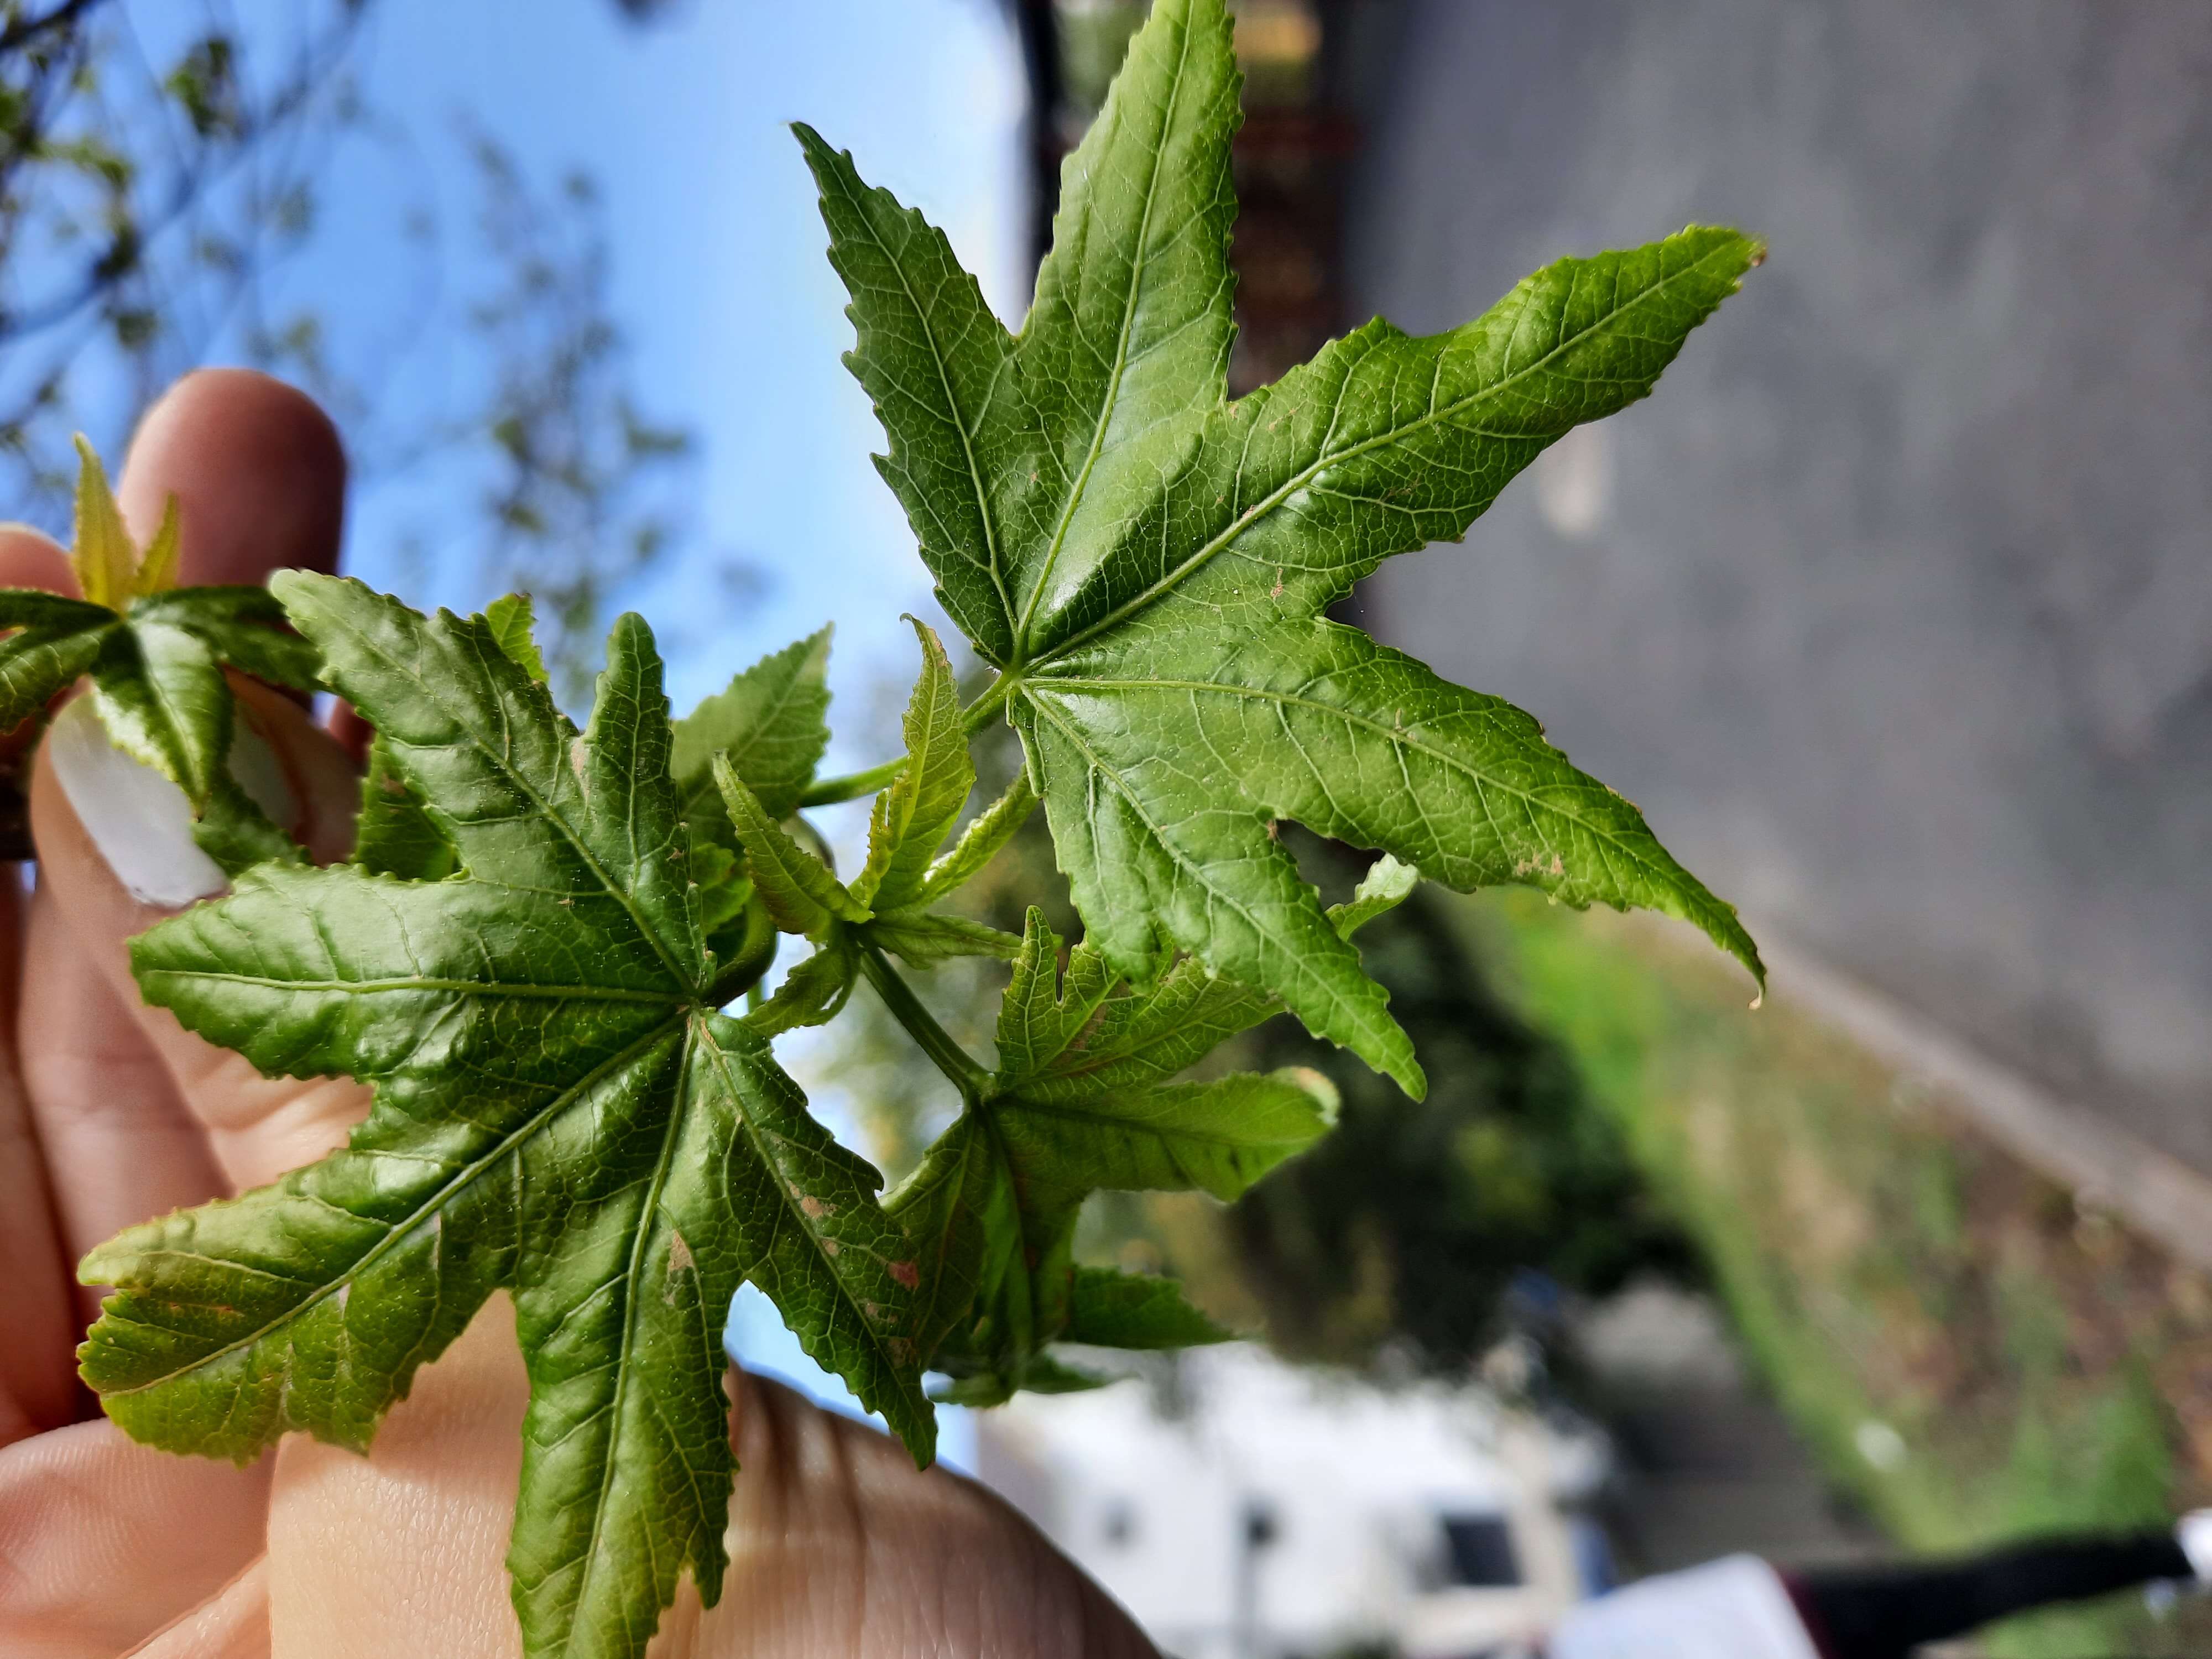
<point x="1406" y="1228"/>
<point x="1884" y="1264"/>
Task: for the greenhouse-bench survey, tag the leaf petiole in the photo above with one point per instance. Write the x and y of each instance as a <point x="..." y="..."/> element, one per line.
<point x="993" y="699"/>
<point x="829" y="791"/>
<point x="958" y="1065"/>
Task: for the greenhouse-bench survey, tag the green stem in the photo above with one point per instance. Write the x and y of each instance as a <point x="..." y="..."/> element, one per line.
<point x="947" y="1056"/>
<point x="993" y="699"/>
<point x="828" y="791"/>
<point x="823" y="791"/>
<point x="752" y="957"/>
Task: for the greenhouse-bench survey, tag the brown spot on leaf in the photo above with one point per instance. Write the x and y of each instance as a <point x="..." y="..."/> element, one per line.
<point x="679" y="1261"/>
<point x="813" y="1208"/>
<point x="906" y="1273"/>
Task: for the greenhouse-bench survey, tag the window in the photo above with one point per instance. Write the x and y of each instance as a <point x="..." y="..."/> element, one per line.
<point x="1479" y="1553"/>
<point x="1119" y="1523"/>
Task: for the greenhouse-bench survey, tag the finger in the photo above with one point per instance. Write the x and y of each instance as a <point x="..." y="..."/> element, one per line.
<point x="117" y="1133"/>
<point x="352" y="729"/>
<point x="117" y="855"/>
<point x="839" y="1545"/>
<point x="105" y="1541"/>
<point x="38" y="1306"/>
<point x="257" y="471"/>
<point x="836" y="1543"/>
<point x="37" y="1368"/>
<point x="405" y="1551"/>
<point x="232" y="1624"/>
<point x="29" y="559"/>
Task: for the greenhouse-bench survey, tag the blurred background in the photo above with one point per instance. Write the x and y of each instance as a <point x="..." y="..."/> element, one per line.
<point x="1892" y="609"/>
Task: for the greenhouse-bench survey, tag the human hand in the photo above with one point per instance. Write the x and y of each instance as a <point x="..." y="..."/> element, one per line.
<point x="110" y="1113"/>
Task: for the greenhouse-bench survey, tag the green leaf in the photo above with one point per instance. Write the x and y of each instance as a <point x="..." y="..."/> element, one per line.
<point x="922" y="939"/>
<point x="725" y="895"/>
<point x="160" y="693"/>
<point x="1109" y="1310"/>
<point x="1148" y="564"/>
<point x="233" y="830"/>
<point x="394" y="834"/>
<point x="932" y="359"/>
<point x="55" y="642"/>
<point x="155" y="671"/>
<point x="244" y="626"/>
<point x="155" y="655"/>
<point x="1217" y="1138"/>
<point x="105" y="558"/>
<point x="801" y="892"/>
<point x="164" y="704"/>
<point x="558" y="1109"/>
<point x="771" y="722"/>
<point x="1042" y="1374"/>
<point x="980" y="842"/>
<point x="913" y="816"/>
<point x="958" y="1208"/>
<point x="511" y="619"/>
<point x="811" y="993"/>
<point x="1090" y="1031"/>
<point x="1387" y="885"/>
<point x="1082" y="1101"/>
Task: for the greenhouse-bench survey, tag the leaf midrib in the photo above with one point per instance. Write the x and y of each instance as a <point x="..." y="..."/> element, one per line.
<point x="1398" y="735"/>
<point x="937" y="360"/>
<point x="1325" y="984"/>
<point x="467" y="987"/>
<point x="1138" y="265"/>
<point x="719" y="1057"/>
<point x="435" y="1203"/>
<point x="672" y="1132"/>
<point x="522" y="785"/>
<point x="1174" y="579"/>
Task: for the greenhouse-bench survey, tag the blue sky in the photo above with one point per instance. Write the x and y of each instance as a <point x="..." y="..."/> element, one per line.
<point x="721" y="284"/>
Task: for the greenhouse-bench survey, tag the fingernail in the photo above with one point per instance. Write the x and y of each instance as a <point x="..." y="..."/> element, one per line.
<point x="140" y="823"/>
<point x="258" y="771"/>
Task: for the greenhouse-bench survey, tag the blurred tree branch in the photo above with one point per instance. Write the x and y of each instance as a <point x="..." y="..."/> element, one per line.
<point x="21" y="31"/>
<point x="145" y="205"/>
<point x="582" y="494"/>
<point x="141" y="204"/>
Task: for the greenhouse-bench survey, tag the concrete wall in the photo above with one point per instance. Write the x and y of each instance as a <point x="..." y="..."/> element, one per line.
<point x="1893" y="607"/>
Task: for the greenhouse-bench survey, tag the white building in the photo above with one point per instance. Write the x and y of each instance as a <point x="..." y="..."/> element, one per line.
<point x="1253" y="1510"/>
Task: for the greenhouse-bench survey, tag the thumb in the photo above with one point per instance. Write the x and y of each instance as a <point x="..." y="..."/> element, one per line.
<point x="404" y="1551"/>
<point x="117" y="855"/>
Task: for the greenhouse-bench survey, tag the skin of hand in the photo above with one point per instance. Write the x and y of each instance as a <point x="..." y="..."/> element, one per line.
<point x="111" y="1113"/>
